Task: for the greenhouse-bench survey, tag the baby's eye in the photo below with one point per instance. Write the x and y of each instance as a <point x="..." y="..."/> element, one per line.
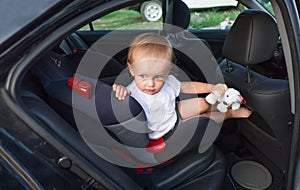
<point x="159" y="77"/>
<point x="141" y="77"/>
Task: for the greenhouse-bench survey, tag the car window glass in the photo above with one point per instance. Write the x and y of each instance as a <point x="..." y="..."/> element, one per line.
<point x="215" y="17"/>
<point x="129" y="18"/>
<point x="148" y="15"/>
<point x="267" y="5"/>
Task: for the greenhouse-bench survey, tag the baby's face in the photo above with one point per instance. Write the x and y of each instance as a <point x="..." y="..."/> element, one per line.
<point x="150" y="74"/>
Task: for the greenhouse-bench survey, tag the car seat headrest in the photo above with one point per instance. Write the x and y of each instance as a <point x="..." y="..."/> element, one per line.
<point x="252" y="38"/>
<point x="178" y="17"/>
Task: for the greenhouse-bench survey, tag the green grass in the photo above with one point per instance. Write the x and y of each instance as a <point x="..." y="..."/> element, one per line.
<point x="130" y="19"/>
<point x="211" y="18"/>
<point x="124" y="19"/>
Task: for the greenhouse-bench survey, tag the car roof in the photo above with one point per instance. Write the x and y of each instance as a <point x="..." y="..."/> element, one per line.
<point x="16" y="14"/>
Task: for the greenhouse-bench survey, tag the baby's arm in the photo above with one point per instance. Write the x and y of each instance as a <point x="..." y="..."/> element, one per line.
<point x="200" y="88"/>
<point x="121" y="91"/>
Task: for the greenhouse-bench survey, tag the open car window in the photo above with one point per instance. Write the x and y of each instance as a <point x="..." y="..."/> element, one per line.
<point x="214" y="18"/>
<point x="137" y="18"/>
<point x="128" y="18"/>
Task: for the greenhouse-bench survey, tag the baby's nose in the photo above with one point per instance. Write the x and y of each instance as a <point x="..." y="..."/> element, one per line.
<point x="150" y="82"/>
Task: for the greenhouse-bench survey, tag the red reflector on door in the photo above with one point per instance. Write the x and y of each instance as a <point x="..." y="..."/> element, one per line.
<point x="82" y="87"/>
<point x="73" y="81"/>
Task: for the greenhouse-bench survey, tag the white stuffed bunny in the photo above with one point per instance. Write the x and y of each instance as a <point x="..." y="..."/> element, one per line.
<point x="232" y="98"/>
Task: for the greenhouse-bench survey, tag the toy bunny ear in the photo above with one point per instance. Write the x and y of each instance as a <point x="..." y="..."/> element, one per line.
<point x="242" y="99"/>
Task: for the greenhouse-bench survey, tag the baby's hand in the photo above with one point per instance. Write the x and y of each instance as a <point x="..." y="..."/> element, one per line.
<point x="220" y="88"/>
<point x="121" y="91"/>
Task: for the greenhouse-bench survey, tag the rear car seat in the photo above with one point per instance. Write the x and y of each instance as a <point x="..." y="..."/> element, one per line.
<point x="188" y="170"/>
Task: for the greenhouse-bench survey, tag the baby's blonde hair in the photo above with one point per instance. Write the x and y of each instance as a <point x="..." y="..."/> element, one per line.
<point x="149" y="45"/>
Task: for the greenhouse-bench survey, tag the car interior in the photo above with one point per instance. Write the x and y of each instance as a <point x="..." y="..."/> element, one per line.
<point x="77" y="99"/>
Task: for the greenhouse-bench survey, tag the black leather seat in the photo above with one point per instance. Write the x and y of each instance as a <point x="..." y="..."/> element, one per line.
<point x="251" y="41"/>
<point x="191" y="169"/>
<point x="105" y="126"/>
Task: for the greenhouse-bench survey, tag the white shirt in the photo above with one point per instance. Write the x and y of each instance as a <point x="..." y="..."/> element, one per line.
<point x="160" y="107"/>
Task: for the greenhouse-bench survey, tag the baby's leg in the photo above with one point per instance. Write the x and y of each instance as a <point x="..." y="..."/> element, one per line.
<point x="239" y="113"/>
<point x="198" y="106"/>
<point x="192" y="107"/>
<point x="219" y="117"/>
